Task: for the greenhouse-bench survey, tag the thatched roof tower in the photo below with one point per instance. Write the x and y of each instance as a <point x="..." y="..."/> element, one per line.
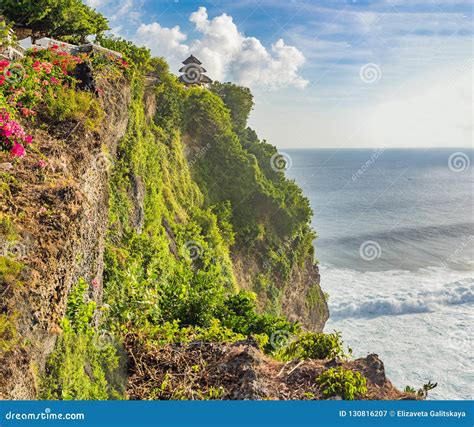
<point x="193" y="73"/>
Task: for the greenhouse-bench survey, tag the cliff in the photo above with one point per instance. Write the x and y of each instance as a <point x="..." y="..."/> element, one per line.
<point x="150" y="224"/>
<point x="54" y="222"/>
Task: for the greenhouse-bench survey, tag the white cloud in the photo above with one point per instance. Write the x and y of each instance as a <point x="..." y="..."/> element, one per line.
<point x="121" y="14"/>
<point x="95" y="3"/>
<point x="163" y="41"/>
<point x="226" y="53"/>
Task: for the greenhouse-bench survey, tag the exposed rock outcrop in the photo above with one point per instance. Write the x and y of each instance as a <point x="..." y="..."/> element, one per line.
<point x="302" y="298"/>
<point x="237" y="371"/>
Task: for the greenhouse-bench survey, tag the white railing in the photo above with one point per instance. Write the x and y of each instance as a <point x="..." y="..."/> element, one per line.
<point x="88" y="47"/>
<point x="15" y="51"/>
<point x="47" y="43"/>
<point x="12" y="51"/>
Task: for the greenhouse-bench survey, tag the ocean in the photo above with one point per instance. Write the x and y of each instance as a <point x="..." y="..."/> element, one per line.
<point x="396" y="252"/>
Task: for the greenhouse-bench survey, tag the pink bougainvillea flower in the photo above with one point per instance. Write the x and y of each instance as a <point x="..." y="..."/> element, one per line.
<point x="2" y="79"/>
<point x="41" y="164"/>
<point x="54" y="80"/>
<point x="47" y="67"/>
<point x="27" y="112"/>
<point x="18" y="150"/>
<point x="7" y="129"/>
<point x="28" y="139"/>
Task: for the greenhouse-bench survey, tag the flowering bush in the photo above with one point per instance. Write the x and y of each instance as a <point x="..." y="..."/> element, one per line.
<point x="26" y="83"/>
<point x="43" y="82"/>
<point x="13" y="137"/>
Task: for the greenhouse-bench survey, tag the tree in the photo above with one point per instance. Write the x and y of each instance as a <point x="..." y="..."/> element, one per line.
<point x="140" y="56"/>
<point x="238" y="99"/>
<point x="66" y="20"/>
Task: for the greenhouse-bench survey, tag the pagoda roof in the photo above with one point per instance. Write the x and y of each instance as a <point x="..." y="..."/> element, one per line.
<point x="203" y="79"/>
<point x="192" y="67"/>
<point x="192" y="60"/>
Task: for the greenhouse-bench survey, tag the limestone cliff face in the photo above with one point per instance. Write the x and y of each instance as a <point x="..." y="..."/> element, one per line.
<point x="302" y="298"/>
<point x="60" y="215"/>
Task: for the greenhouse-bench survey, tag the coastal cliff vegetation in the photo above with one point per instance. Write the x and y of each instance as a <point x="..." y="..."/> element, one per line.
<point x="150" y="247"/>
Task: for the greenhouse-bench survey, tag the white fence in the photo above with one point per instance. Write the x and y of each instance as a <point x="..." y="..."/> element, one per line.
<point x="11" y="50"/>
<point x="15" y="51"/>
<point x="46" y="43"/>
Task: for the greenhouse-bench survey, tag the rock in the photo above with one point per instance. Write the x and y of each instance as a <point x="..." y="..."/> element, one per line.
<point x="372" y="367"/>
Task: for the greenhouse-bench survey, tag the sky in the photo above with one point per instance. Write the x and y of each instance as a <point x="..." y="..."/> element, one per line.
<point x="325" y="74"/>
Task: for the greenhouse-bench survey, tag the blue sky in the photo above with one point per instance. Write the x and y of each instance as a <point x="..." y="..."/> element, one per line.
<point x="343" y="73"/>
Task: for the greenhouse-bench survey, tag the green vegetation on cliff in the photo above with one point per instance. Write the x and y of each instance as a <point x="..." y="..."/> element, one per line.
<point x="173" y="266"/>
<point x="192" y="193"/>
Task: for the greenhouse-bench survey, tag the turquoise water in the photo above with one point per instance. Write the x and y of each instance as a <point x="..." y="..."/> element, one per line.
<point x="396" y="251"/>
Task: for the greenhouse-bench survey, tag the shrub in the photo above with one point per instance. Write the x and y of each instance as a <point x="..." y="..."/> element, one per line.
<point x="314" y="345"/>
<point x="238" y="99"/>
<point x="83" y="361"/>
<point x="139" y="56"/>
<point x="170" y="99"/>
<point x="173" y="332"/>
<point x="9" y="271"/>
<point x="422" y="391"/>
<point x="239" y="313"/>
<point x="69" y="104"/>
<point x="42" y="82"/>
<point x="342" y="382"/>
<point x="8" y="334"/>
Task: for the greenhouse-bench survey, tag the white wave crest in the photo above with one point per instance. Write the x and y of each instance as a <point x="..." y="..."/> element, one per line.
<point x="408" y="303"/>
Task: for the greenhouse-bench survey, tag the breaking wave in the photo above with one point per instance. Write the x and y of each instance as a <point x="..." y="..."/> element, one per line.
<point x="408" y="303"/>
